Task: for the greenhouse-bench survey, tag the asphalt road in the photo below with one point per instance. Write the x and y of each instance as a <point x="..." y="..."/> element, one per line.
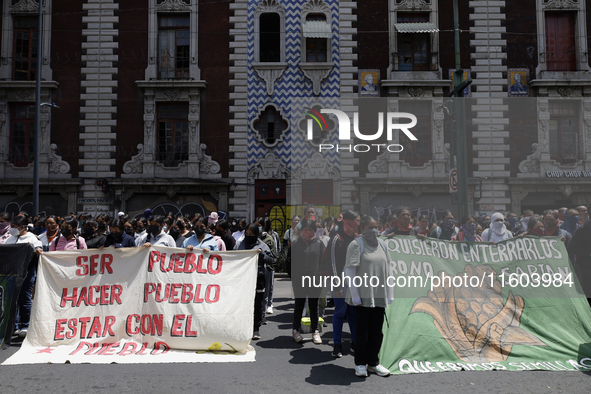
<point x="282" y="366"/>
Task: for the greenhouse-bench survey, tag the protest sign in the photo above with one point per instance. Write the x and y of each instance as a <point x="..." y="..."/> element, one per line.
<point x="516" y="305"/>
<point x="140" y="305"/>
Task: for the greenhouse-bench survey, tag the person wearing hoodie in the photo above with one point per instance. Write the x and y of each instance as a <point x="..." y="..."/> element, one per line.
<point x="118" y="238"/>
<point x="571" y="221"/>
<point x="306" y="255"/>
<point x="497" y="231"/>
<point x="335" y="254"/>
<point x="251" y="241"/>
<point x="202" y="239"/>
<point x="155" y="235"/>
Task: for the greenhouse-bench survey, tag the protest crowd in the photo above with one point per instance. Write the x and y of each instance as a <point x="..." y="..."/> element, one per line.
<point x="349" y="244"/>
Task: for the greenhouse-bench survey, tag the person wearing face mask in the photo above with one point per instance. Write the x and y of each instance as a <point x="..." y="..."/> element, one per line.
<point x="222" y="230"/>
<point x="178" y="232"/>
<point x="367" y="256"/>
<point x="5" y="218"/>
<point x="129" y="228"/>
<point x="202" y="239"/>
<point x="551" y="228"/>
<point x="448" y="228"/>
<point x="422" y="228"/>
<point x="251" y="241"/>
<point x="403" y="225"/>
<point x="155" y="235"/>
<point x="571" y="221"/>
<point x="239" y="233"/>
<point x="20" y="235"/>
<point x="583" y="214"/>
<point x="521" y="225"/>
<point x="468" y="231"/>
<point x="218" y="239"/>
<point x="497" y="231"/>
<point x="511" y="221"/>
<point x="335" y="258"/>
<point x="90" y="234"/>
<point x="68" y="238"/>
<point x="103" y="220"/>
<point x="118" y="238"/>
<point x="306" y="256"/>
<point x="39" y="226"/>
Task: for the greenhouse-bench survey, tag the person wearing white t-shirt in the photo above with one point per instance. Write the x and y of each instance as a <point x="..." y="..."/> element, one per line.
<point x="155" y="236"/>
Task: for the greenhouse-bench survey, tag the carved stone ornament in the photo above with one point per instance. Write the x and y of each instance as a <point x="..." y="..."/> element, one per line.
<point x="194" y="108"/>
<point x="207" y="165"/>
<point x="543" y="106"/>
<point x="532" y="163"/>
<point x="25" y="7"/>
<point x="587" y="106"/>
<point x="317" y="167"/>
<point x="148" y="127"/>
<point x="561" y="4"/>
<point x="316" y="73"/>
<point x="314" y="6"/>
<point x="173" y="6"/>
<point x="447" y="157"/>
<point x="268" y="6"/>
<point x="172" y="94"/>
<point x="565" y="92"/>
<point x="24" y="95"/>
<point x="149" y="108"/>
<point x="379" y="165"/>
<point x="270" y="72"/>
<point x="56" y="164"/>
<point x="415" y="92"/>
<point x="135" y="166"/>
<point x="269" y="167"/>
<point x="413" y="5"/>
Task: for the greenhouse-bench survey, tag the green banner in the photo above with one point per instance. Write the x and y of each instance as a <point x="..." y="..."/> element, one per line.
<point x="515" y="305"/>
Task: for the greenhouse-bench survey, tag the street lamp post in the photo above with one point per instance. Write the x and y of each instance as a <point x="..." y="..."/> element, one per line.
<point x="38" y="110"/>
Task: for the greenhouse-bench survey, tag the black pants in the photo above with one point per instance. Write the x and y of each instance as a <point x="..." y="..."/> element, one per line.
<point x="368" y="335"/>
<point x="258" y="315"/>
<point x="299" y="308"/>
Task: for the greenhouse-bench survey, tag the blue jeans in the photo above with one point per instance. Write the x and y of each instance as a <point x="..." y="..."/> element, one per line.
<point x="25" y="301"/>
<point x="342" y="309"/>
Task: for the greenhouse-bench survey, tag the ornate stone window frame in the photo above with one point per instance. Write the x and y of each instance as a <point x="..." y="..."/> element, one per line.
<point x="268" y="167"/>
<point x="315" y="168"/>
<point x="269" y="72"/>
<point x="171" y="7"/>
<point x="316" y="72"/>
<point x="388" y="165"/>
<point x="582" y="56"/>
<point x="426" y="6"/>
<point x="260" y="138"/>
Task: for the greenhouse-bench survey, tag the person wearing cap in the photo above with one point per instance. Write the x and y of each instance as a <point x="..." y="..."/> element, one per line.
<point x="497" y="231"/>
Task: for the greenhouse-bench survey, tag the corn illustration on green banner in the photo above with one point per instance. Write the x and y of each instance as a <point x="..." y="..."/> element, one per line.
<point x="516" y="305"/>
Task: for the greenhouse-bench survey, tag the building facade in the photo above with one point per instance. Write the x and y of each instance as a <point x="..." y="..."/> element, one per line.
<point x="199" y="106"/>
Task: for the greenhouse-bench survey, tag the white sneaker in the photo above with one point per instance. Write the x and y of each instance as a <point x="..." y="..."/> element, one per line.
<point x="379" y="370"/>
<point x="316" y="338"/>
<point x="22" y="333"/>
<point x="297" y="336"/>
<point x="270" y="310"/>
<point x="361" y="371"/>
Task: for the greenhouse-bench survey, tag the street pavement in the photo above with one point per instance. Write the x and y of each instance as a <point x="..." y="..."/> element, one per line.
<point x="281" y="366"/>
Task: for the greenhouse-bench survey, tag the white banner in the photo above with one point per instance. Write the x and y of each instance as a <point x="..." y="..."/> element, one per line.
<point x="141" y="305"/>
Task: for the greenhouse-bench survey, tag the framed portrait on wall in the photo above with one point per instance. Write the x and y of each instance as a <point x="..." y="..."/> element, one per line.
<point x="369" y="80"/>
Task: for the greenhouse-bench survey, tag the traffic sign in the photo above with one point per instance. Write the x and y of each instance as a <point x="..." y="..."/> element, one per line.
<point x="453" y="181"/>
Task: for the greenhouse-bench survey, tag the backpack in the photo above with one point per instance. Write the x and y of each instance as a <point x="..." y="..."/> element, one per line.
<point x="57" y="239"/>
<point x="361" y="246"/>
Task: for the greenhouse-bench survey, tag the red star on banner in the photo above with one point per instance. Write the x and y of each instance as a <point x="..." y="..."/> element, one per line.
<point x="46" y="350"/>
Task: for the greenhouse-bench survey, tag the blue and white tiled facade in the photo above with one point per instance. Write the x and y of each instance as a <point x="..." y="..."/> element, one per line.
<point x="292" y="93"/>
